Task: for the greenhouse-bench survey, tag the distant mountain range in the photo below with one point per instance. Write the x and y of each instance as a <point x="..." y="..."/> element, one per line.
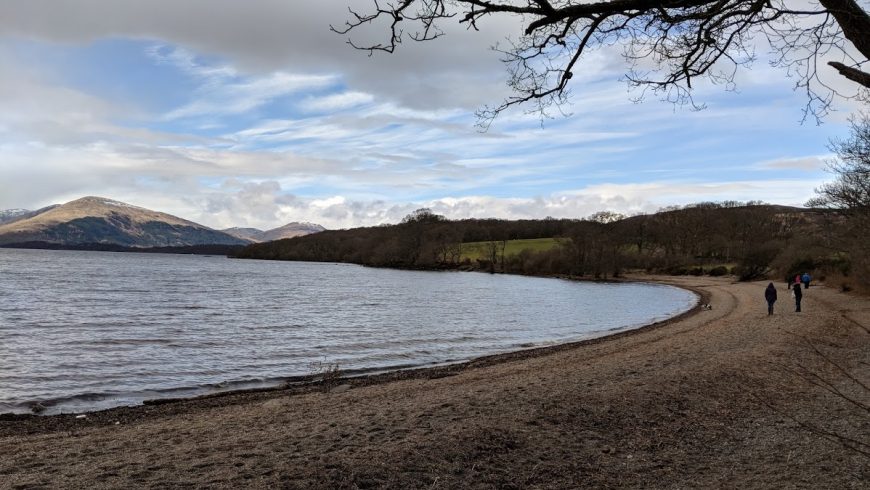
<point x="97" y="220"/>
<point x="290" y="230"/>
<point x="10" y="215"/>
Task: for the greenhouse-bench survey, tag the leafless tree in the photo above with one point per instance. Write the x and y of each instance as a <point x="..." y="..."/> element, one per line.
<point x="849" y="194"/>
<point x="493" y="250"/>
<point x="668" y="44"/>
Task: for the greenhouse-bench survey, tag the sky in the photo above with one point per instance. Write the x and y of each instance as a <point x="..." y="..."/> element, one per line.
<point x="253" y="114"/>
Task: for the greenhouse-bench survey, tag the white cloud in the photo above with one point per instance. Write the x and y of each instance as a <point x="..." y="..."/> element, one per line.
<point x="810" y="163"/>
<point x="267" y="36"/>
<point x="220" y="96"/>
<point x="186" y="61"/>
<point x="265" y="204"/>
<point x="33" y="110"/>
<point x="336" y="102"/>
<point x="396" y="136"/>
<point x="781" y="191"/>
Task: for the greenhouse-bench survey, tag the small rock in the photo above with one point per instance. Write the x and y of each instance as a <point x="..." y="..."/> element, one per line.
<point x="340" y="389"/>
<point x="37" y="408"/>
<point x="82" y="416"/>
<point x="274" y="404"/>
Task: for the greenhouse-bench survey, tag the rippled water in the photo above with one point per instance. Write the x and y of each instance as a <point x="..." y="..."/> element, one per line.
<point x="90" y="330"/>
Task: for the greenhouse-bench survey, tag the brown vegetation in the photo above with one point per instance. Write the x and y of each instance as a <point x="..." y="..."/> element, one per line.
<point x="749" y="239"/>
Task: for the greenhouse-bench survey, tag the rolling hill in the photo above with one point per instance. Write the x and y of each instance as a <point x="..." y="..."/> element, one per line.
<point x="97" y="220"/>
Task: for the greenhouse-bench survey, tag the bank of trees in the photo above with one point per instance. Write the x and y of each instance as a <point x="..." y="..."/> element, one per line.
<point x="749" y="239"/>
<point x="422" y="239"/>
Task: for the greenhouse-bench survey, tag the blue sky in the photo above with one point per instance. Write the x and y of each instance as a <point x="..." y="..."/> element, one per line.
<point x="265" y="117"/>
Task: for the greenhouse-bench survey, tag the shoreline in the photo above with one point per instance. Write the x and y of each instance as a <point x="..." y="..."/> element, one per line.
<point x="711" y="398"/>
<point x="309" y="383"/>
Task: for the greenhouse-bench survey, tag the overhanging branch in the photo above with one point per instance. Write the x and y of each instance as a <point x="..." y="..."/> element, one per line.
<point x="853" y="74"/>
<point x="673" y="42"/>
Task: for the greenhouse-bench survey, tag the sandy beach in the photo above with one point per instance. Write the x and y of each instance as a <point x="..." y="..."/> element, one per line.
<point x="727" y="397"/>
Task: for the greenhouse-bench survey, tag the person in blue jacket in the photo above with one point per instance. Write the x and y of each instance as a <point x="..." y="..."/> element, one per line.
<point x="805" y="278"/>
<point x="770" y="296"/>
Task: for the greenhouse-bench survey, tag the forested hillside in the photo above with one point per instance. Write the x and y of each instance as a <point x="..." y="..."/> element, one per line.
<point x="748" y="239"/>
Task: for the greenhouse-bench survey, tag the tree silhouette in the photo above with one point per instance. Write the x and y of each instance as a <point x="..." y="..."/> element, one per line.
<point x="850" y="191"/>
<point x="668" y="44"/>
<point x="849" y="194"/>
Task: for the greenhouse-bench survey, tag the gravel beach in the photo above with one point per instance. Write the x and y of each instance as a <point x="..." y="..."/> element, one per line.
<point x="725" y="397"/>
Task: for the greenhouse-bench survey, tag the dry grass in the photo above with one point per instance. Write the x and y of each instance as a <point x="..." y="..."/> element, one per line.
<point x="325" y="374"/>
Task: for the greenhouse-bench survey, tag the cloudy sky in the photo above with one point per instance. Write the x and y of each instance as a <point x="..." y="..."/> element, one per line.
<point x="252" y="113"/>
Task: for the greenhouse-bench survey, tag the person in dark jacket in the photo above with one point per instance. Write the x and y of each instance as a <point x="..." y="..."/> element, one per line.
<point x="770" y="296"/>
<point x="798" y="294"/>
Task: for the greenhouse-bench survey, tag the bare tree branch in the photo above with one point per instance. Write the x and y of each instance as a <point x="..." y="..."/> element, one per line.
<point x="853" y="74"/>
<point x="668" y="44"/>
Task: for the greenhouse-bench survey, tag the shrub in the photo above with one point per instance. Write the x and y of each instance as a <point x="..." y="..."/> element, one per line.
<point x="718" y="271"/>
<point x="325" y="373"/>
<point x="676" y="270"/>
<point x="756" y="263"/>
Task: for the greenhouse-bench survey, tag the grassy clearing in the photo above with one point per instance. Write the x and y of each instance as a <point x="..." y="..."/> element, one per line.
<point x="477" y="250"/>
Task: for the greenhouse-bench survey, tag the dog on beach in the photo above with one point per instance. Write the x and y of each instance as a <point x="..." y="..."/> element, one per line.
<point x="706" y="306"/>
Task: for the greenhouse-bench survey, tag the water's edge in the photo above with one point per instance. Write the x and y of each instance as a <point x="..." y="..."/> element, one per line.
<point x="368" y="376"/>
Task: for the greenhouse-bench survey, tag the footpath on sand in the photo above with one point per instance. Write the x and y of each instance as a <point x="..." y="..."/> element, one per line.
<point x="723" y="397"/>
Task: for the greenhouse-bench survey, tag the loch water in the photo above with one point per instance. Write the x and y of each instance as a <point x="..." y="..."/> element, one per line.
<point x="83" y="331"/>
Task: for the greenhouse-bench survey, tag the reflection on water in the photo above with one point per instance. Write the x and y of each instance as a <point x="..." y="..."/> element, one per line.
<point x="91" y="330"/>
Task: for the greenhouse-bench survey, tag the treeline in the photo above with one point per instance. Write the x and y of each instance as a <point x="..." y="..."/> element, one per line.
<point x="748" y="239"/>
<point x="421" y="240"/>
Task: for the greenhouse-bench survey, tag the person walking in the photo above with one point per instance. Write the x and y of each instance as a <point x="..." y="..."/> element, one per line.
<point x="805" y="278"/>
<point x="770" y="296"/>
<point x="798" y="294"/>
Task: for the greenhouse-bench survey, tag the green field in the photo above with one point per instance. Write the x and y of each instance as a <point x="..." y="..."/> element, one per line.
<point x="477" y="250"/>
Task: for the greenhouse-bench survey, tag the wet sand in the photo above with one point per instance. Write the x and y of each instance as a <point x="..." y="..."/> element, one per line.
<point x="727" y="397"/>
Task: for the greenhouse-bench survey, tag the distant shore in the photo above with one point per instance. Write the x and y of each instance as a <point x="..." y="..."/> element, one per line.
<point x="113" y="247"/>
<point x="712" y="398"/>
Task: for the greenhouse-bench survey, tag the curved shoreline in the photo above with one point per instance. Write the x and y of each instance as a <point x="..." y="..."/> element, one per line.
<point x="708" y="399"/>
<point x="309" y="383"/>
<point x="305" y="384"/>
<point x="375" y="375"/>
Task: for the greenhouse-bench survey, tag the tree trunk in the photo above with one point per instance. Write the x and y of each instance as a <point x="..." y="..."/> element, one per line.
<point x="854" y="22"/>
